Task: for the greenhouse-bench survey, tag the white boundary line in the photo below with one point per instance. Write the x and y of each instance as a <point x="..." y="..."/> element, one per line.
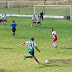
<point x="45" y="16"/>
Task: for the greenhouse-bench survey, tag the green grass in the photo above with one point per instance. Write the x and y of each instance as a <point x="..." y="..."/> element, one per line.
<point x="12" y="55"/>
<point x="58" y="11"/>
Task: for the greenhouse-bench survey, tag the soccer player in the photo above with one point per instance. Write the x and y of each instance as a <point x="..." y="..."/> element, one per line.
<point x="1" y="19"/>
<point x="41" y="15"/>
<point x="5" y="19"/>
<point x="38" y="21"/>
<point x="55" y="37"/>
<point x="31" y="44"/>
<point x="13" y="28"/>
<point x="33" y="20"/>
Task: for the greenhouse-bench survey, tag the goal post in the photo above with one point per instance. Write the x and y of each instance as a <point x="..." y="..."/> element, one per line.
<point x="70" y="12"/>
<point x="54" y="10"/>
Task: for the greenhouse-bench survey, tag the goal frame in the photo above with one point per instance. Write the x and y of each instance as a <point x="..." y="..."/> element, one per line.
<point x="54" y="6"/>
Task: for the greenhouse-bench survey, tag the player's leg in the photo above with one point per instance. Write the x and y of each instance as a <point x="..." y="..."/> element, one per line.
<point x="54" y="44"/>
<point x="13" y="30"/>
<point x="2" y="22"/>
<point x="42" y="18"/>
<point x="31" y="57"/>
<point x="5" y="21"/>
<point x="27" y="57"/>
<point x="38" y="25"/>
<point x="35" y="23"/>
<point x="36" y="59"/>
<point x="32" y="24"/>
<point x="31" y="53"/>
<point x="54" y="40"/>
<point x="13" y="34"/>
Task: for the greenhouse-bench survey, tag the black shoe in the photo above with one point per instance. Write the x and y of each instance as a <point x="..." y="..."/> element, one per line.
<point x="24" y="57"/>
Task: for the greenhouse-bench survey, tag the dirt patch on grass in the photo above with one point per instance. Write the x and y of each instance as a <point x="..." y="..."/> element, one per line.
<point x="5" y="48"/>
<point x="61" y="61"/>
<point x="1" y="70"/>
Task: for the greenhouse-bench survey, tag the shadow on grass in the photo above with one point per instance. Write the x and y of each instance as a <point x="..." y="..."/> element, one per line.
<point x="6" y="48"/>
<point x="61" y="61"/>
<point x="66" y="48"/>
<point x="45" y="27"/>
<point x="48" y="65"/>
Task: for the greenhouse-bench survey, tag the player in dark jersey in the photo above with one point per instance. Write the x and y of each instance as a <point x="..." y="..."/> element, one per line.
<point x="41" y="15"/>
<point x="13" y="28"/>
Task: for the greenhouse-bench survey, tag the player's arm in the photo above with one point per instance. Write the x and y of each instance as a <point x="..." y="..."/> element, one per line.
<point x="40" y="20"/>
<point x="22" y="43"/>
<point x="37" y="48"/>
<point x="6" y="17"/>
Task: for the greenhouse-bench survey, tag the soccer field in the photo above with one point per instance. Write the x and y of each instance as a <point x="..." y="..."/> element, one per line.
<point x="12" y="55"/>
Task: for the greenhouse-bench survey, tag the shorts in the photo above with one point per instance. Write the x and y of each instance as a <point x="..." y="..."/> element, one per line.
<point x="33" y="22"/>
<point x="38" y="22"/>
<point x="32" y="53"/>
<point x="4" y="20"/>
<point x="13" y="29"/>
<point x="55" y="39"/>
<point x="1" y="20"/>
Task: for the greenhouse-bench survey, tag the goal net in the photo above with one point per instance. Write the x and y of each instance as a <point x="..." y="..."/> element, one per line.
<point x="54" y="10"/>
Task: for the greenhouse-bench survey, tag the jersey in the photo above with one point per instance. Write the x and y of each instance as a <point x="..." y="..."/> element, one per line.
<point x="31" y="45"/>
<point x="41" y="13"/>
<point x="1" y="18"/>
<point x="34" y="19"/>
<point x="5" y="17"/>
<point x="54" y="33"/>
<point x="13" y="25"/>
<point x="38" y="19"/>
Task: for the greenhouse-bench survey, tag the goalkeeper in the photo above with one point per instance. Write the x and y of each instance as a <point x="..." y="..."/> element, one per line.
<point x="41" y="15"/>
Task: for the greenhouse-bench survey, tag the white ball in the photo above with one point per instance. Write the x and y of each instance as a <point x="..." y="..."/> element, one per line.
<point x="46" y="61"/>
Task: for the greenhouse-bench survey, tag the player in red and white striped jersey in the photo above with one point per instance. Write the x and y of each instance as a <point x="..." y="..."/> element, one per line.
<point x="33" y="20"/>
<point x="55" y="37"/>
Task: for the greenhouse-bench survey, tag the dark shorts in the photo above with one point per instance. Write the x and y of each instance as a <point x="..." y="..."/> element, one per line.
<point x="32" y="53"/>
<point x="38" y="22"/>
<point x="1" y="20"/>
<point x="13" y="29"/>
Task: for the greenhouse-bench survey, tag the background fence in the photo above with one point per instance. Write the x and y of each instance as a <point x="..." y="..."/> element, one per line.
<point x="26" y="7"/>
<point x="27" y="3"/>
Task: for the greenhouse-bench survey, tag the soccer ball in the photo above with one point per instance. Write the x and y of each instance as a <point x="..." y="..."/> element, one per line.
<point x="46" y="61"/>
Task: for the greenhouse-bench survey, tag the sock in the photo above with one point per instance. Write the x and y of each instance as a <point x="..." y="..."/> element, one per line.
<point x="31" y="25"/>
<point x="13" y="34"/>
<point x="54" y="44"/>
<point x="39" y="25"/>
<point x="37" y="61"/>
<point x="27" y="56"/>
<point x="2" y="23"/>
